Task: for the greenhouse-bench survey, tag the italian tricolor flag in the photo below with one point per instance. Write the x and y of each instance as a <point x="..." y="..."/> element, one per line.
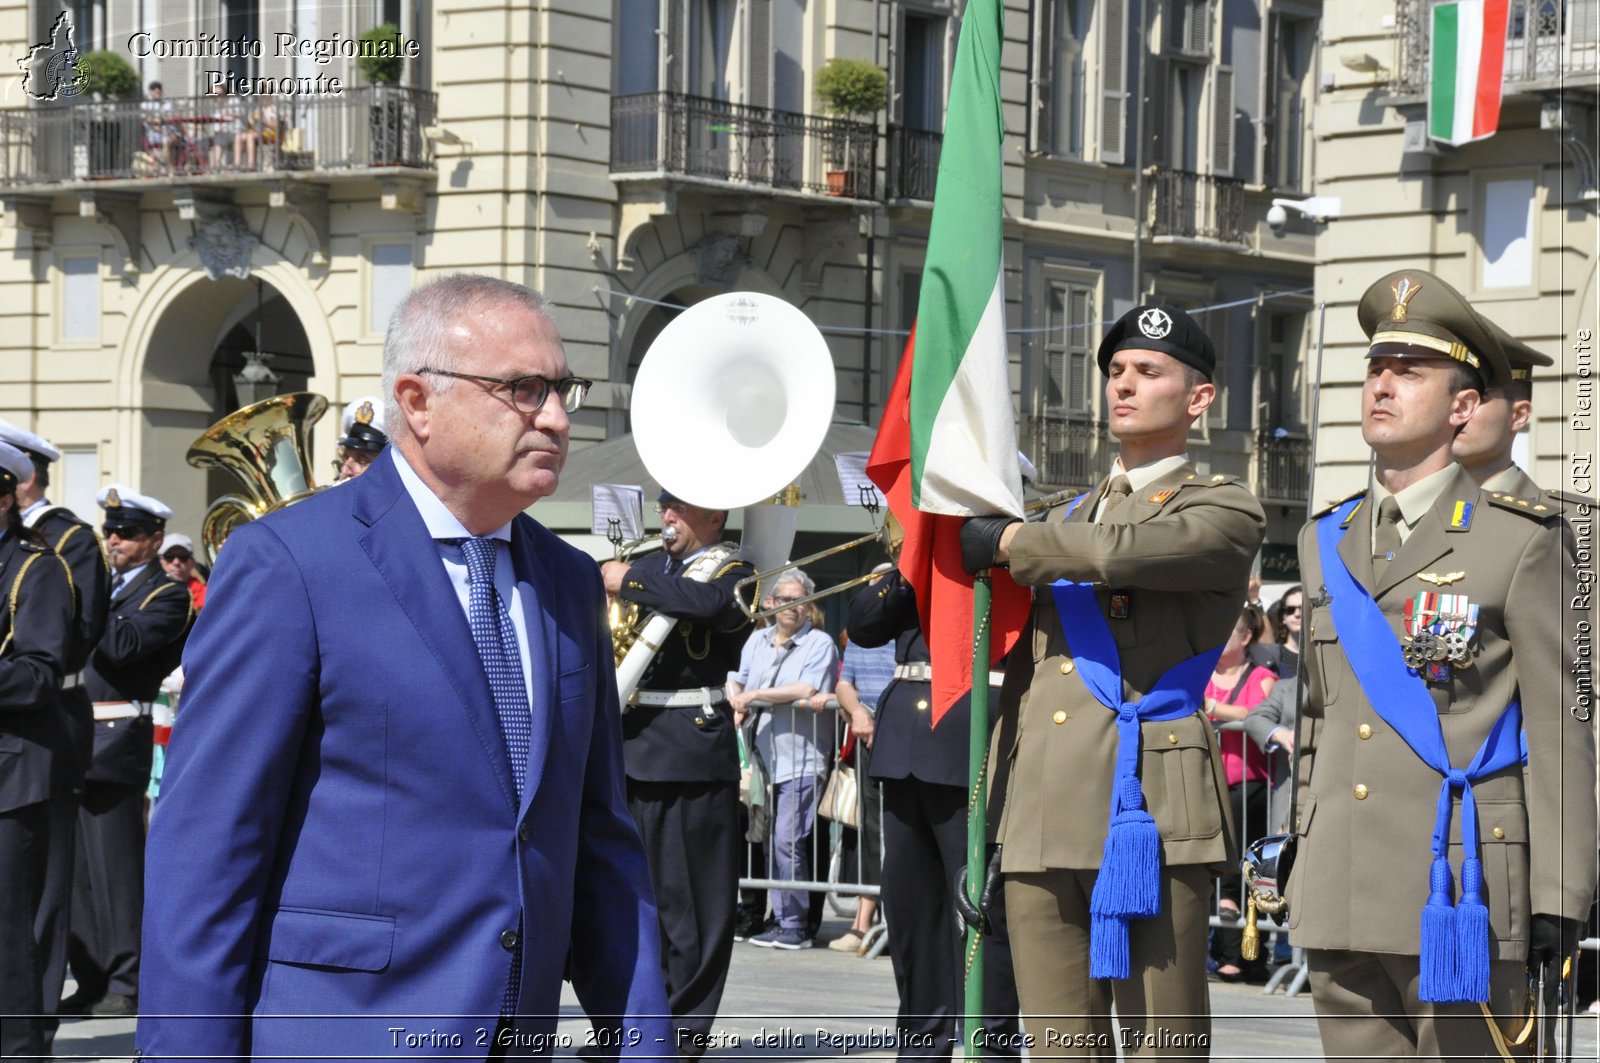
<point x="1465" y="70"/>
<point x="947" y="448"/>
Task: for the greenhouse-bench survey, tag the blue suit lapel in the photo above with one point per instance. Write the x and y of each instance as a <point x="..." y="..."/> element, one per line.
<point x="397" y="542"/>
<point x="534" y="587"/>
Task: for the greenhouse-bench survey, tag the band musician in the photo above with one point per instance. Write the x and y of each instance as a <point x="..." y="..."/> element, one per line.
<point x="682" y="755"/>
<point x="147" y="624"/>
<point x="73" y="539"/>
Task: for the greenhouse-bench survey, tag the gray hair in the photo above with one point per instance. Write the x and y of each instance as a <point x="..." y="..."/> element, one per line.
<point x="418" y="336"/>
<point x="808" y="586"/>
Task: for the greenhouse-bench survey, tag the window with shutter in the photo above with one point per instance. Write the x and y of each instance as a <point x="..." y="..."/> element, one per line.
<point x="758" y="53"/>
<point x="1062" y="79"/>
<point x="1113" y="70"/>
<point x="1222" y="120"/>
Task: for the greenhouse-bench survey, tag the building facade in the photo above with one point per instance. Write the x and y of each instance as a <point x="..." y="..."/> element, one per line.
<point x="1509" y="220"/>
<point x="629" y="158"/>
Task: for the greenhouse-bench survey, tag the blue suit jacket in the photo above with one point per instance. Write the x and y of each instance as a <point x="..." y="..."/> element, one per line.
<point x="338" y="833"/>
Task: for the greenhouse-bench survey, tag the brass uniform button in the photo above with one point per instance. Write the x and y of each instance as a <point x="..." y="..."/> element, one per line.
<point x="1060" y="716"/>
<point x="1365" y="731"/>
<point x="1361" y="791"/>
<point x="699" y="721"/>
<point x="1499" y="833"/>
<point x="1066" y="667"/>
<point x="922" y="705"/>
<point x="1172" y="738"/>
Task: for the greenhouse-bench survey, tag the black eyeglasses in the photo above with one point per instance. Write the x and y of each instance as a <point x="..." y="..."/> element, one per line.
<point x="176" y="557"/>
<point x="123" y="531"/>
<point x="1288" y="609"/>
<point x="529" y="392"/>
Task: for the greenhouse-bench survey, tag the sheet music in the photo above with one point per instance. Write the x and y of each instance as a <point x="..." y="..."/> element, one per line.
<point x="853" y="482"/>
<point x="618" y="510"/>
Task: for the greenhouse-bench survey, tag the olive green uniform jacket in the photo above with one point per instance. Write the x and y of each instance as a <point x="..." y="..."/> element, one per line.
<point x="1174" y="558"/>
<point x="1367" y="803"/>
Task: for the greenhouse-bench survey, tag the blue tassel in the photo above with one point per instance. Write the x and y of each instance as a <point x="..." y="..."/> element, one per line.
<point x="1439" y="977"/>
<point x="1108" y="947"/>
<point x="1129" y="882"/>
<point x="1472" y="936"/>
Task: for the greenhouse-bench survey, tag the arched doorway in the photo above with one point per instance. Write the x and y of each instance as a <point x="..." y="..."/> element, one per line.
<point x="198" y="346"/>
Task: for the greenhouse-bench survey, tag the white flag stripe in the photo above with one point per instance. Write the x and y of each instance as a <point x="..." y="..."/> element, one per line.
<point x="972" y="467"/>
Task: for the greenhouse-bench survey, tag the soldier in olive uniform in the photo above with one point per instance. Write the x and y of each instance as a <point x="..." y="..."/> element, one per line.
<point x="1447" y="814"/>
<point x="1483" y="446"/>
<point x="682" y="757"/>
<point x="36" y="633"/>
<point x="147" y="624"/>
<point x="74" y="541"/>
<point x="1103" y="696"/>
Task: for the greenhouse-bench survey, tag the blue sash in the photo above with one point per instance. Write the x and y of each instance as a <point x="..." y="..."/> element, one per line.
<point x="1129" y="883"/>
<point x="1455" y="939"/>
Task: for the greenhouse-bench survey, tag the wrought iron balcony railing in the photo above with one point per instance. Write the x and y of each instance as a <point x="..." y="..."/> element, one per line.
<point x="1197" y="205"/>
<point x="1071" y="450"/>
<point x="1547" y="42"/>
<point x="695" y="136"/>
<point x="1283" y="466"/>
<point x="913" y="163"/>
<point x="366" y="127"/>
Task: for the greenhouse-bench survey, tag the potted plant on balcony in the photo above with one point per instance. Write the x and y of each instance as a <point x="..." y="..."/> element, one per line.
<point x="383" y="64"/>
<point x="856" y="90"/>
<point x="105" y="77"/>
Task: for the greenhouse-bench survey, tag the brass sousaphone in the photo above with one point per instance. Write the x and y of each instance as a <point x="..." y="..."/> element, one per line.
<point x="729" y="406"/>
<point x="266" y="446"/>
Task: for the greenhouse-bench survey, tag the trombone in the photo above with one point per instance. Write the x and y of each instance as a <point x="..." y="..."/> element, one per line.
<point x="890" y="536"/>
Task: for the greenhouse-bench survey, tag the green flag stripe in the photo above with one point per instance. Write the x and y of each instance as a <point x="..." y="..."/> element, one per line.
<point x="1442" y="100"/>
<point x="964" y="239"/>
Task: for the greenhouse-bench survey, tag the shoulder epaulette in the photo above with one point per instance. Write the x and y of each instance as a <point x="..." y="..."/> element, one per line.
<point x="1337" y="502"/>
<point x="1568" y="498"/>
<point x="33" y="546"/>
<point x="729" y="567"/>
<point x="1536" y="508"/>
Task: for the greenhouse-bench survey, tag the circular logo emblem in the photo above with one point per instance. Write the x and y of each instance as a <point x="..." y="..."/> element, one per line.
<point x="1155" y="323"/>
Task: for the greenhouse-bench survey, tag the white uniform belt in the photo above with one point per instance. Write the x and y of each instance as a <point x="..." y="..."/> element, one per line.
<point x="695" y="697"/>
<point x="922" y="672"/>
<point x="117" y="710"/>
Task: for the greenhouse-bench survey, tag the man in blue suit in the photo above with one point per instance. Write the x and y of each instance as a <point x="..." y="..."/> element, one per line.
<point x="347" y="860"/>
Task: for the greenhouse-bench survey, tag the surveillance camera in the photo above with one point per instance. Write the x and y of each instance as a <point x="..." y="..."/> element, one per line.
<point x="1277" y="219"/>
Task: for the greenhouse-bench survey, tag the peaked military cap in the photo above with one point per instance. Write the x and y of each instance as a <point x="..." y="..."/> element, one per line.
<point x="1411" y="313"/>
<point x="363" y="424"/>
<point x="1163" y="328"/>
<point x="126" y="509"/>
<point x="15" y="467"/>
<point x="1520" y="357"/>
<point x="28" y="442"/>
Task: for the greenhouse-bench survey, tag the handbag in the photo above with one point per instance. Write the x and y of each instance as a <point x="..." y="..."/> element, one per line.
<point x="755" y="789"/>
<point x="841" y="799"/>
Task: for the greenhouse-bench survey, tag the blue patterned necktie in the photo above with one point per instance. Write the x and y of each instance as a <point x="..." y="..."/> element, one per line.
<point x="496" y="639"/>
<point x="497" y="648"/>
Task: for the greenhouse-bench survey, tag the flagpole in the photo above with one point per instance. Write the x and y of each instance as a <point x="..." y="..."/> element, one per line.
<point x="977" y="824"/>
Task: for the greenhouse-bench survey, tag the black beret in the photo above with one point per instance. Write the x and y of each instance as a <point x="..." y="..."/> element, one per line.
<point x="1163" y="328"/>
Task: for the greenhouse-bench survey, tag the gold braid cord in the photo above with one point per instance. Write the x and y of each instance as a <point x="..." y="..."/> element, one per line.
<point x="11" y="599"/>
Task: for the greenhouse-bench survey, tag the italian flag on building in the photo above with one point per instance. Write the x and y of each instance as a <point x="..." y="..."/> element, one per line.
<point x="1466" y="68"/>
<point x="947" y="448"/>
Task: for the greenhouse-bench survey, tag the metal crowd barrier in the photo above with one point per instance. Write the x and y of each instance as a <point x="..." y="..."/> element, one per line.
<point x="825" y="841"/>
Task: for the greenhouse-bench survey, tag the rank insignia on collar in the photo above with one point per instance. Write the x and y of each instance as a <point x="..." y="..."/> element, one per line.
<point x="1441" y="581"/>
<point x="1461" y="516"/>
<point x="1161" y="496"/>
